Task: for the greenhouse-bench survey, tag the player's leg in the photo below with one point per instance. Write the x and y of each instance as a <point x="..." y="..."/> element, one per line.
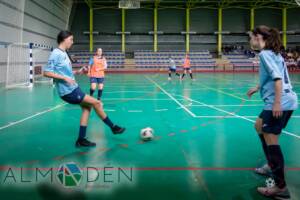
<point x="265" y="169"/>
<point x="97" y="105"/>
<point x="82" y="141"/>
<point x="271" y="130"/>
<point x="184" y="73"/>
<point x="169" y="78"/>
<point x="93" y="85"/>
<point x="100" y="88"/>
<point x="191" y="74"/>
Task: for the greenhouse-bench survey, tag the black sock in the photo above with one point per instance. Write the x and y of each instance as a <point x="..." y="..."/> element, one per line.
<point x="92" y="92"/>
<point x="170" y="75"/>
<point x="264" y="146"/>
<point x="99" y="94"/>
<point x="82" y="132"/>
<point x="182" y="75"/>
<point x="191" y="75"/>
<point x="177" y="74"/>
<point x="277" y="164"/>
<point x="108" y="122"/>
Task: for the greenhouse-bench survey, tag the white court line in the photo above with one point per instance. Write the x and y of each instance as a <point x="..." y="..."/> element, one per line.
<point x="160" y="110"/>
<point x="135" y="86"/>
<point x="220" y="116"/>
<point x="131" y="91"/>
<point x="32" y="116"/>
<point x="137" y="99"/>
<point x="135" y="111"/>
<point x="227" y="105"/>
<point x="233" y="114"/>
<point x="109" y="110"/>
<point x="226" y="93"/>
<point x="169" y="95"/>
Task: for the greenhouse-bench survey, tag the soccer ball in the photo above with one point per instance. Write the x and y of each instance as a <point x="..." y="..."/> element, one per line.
<point x="270" y="182"/>
<point x="147" y="134"/>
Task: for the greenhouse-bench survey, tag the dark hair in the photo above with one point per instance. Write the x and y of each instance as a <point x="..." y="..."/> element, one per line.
<point x="62" y="35"/>
<point x="271" y="36"/>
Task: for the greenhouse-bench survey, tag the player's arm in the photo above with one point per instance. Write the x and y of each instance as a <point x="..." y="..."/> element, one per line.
<point x="277" y="112"/>
<point x="91" y="62"/>
<point x="252" y="91"/>
<point x="105" y="63"/>
<point x="49" y="70"/>
<point x="59" y="77"/>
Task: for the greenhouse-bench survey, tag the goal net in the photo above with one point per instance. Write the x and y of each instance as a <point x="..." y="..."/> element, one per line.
<point x="25" y="64"/>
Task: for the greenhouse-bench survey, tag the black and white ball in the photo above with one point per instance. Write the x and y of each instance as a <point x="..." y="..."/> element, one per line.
<point x="146" y="134"/>
<point x="270" y="182"/>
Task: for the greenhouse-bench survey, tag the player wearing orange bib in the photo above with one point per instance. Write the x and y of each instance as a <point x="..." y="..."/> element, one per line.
<point x="97" y="66"/>
<point x="187" y="67"/>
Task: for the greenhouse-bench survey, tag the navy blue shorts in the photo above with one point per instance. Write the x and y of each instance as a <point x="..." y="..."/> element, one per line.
<point x="187" y="69"/>
<point x="172" y="70"/>
<point x="272" y="124"/>
<point x="96" y="80"/>
<point x="75" y="97"/>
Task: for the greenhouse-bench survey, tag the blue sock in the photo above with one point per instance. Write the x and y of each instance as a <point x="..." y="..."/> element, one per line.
<point x="92" y="92"/>
<point x="108" y="122"/>
<point x="99" y="94"/>
<point x="82" y="132"/>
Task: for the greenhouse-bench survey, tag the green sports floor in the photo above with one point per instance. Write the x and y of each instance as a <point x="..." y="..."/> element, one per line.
<point x="205" y="146"/>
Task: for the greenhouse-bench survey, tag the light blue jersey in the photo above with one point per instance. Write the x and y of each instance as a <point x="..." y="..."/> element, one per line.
<point x="59" y="63"/>
<point x="172" y="64"/>
<point x="272" y="67"/>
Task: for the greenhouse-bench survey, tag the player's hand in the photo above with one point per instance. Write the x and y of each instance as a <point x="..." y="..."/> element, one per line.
<point x="77" y="72"/>
<point x="69" y="81"/>
<point x="251" y="92"/>
<point x="277" y="112"/>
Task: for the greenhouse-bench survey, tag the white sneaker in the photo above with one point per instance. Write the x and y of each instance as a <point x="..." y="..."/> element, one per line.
<point x="169" y="78"/>
<point x="265" y="170"/>
<point x="275" y="192"/>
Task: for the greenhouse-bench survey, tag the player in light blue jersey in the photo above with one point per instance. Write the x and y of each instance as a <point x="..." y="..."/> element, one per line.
<point x="279" y="103"/>
<point x="59" y="68"/>
<point x="172" y="68"/>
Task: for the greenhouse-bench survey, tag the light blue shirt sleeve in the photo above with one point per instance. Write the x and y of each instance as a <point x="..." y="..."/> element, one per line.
<point x="50" y="66"/>
<point x="91" y="61"/>
<point x="270" y="64"/>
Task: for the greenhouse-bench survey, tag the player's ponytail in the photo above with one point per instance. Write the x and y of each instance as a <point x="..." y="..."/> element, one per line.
<point x="274" y="42"/>
<point x="271" y="36"/>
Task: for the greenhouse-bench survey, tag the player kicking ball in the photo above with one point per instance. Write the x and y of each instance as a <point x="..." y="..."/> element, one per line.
<point x="279" y="103"/>
<point x="59" y="68"/>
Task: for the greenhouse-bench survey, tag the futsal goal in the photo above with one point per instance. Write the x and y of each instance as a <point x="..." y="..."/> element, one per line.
<point x="25" y="64"/>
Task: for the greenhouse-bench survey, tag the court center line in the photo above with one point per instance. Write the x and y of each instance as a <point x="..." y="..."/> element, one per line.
<point x="171" y="97"/>
<point x="233" y="114"/>
<point x="32" y="116"/>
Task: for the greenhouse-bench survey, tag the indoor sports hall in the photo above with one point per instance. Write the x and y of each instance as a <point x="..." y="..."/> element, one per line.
<point x="174" y="86"/>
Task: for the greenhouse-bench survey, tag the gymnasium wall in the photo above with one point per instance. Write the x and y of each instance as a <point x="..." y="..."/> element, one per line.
<point x="37" y="21"/>
<point x="172" y="21"/>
